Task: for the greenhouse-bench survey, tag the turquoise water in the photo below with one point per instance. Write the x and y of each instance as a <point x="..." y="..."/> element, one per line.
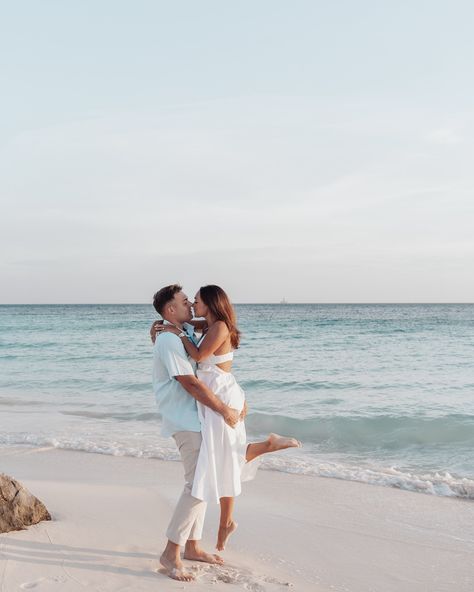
<point x="377" y="393"/>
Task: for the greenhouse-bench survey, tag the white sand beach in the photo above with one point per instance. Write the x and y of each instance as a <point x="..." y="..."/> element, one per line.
<point x="295" y="532"/>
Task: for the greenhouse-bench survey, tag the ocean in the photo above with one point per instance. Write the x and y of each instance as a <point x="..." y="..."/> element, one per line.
<point x="377" y="393"/>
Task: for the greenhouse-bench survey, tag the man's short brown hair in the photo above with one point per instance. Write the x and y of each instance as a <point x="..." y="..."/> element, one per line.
<point x="165" y="295"/>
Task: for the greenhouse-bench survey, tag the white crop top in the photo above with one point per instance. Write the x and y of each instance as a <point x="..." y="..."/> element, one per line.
<point x="219" y="359"/>
<point x="216" y="359"/>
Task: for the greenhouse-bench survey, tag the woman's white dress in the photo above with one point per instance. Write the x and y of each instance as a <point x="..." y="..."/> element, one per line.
<point x="221" y="465"/>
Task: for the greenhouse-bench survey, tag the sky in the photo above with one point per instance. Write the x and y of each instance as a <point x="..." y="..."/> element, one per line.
<point x="307" y="150"/>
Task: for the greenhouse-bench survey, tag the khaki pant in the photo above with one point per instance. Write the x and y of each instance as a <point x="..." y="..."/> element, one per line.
<point x="188" y="518"/>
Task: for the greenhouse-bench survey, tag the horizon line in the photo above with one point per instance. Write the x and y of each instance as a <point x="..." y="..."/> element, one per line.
<point x="287" y="303"/>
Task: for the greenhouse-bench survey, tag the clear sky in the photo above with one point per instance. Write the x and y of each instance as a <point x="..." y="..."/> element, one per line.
<point x="317" y="151"/>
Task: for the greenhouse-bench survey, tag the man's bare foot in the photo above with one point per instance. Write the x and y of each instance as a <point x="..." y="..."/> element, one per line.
<point x="200" y="555"/>
<point x="175" y="569"/>
<point x="278" y="442"/>
<point x="224" y="533"/>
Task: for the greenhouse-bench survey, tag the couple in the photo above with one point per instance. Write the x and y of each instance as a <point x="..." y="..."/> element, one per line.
<point x="203" y="409"/>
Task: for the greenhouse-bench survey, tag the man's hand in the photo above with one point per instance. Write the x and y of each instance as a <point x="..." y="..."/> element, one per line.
<point x="243" y="413"/>
<point x="231" y="416"/>
<point x="154" y="330"/>
<point x="204" y="395"/>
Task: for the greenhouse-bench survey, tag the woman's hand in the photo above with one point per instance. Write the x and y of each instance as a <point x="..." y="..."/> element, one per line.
<point x="154" y="330"/>
<point x="158" y="327"/>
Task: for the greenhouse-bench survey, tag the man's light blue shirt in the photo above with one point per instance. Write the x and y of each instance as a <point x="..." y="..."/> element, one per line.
<point x="177" y="407"/>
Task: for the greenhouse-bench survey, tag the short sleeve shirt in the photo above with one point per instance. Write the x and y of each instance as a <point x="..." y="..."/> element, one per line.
<point x="176" y="406"/>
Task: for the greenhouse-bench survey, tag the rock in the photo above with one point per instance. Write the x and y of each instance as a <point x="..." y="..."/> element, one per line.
<point x="18" y="507"/>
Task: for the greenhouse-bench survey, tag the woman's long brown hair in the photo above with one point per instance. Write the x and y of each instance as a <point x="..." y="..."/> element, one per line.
<point x="221" y="308"/>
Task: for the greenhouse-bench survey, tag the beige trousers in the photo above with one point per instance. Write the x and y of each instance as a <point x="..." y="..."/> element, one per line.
<point x="188" y="518"/>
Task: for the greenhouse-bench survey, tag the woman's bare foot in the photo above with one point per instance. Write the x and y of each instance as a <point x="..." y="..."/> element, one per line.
<point x="277" y="442"/>
<point x="175" y="569"/>
<point x="224" y="533"/>
<point x="195" y="553"/>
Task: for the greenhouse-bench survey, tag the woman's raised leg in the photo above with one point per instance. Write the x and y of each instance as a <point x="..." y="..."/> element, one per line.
<point x="273" y="443"/>
<point x="226" y="525"/>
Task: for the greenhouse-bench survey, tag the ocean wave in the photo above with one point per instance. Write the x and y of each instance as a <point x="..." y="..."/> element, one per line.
<point x="124" y="416"/>
<point x="334" y="432"/>
<point x="81" y="444"/>
<point x="382" y="431"/>
<point x="293" y="385"/>
<point x="83" y="386"/>
<point x="433" y="483"/>
<point x="10" y="402"/>
<point x="28" y="345"/>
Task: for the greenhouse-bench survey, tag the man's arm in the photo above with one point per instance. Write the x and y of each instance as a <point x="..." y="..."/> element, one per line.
<point x="243" y="413"/>
<point x="204" y="395"/>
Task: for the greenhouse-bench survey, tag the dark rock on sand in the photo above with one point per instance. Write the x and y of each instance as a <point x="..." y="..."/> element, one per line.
<point x="18" y="507"/>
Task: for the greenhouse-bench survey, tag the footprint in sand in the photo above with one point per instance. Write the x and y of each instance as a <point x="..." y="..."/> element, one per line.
<point x="42" y="581"/>
<point x="30" y="585"/>
<point x="230" y="575"/>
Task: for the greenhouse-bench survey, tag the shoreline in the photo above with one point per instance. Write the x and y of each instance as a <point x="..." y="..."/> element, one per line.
<point x="309" y="533"/>
<point x="434" y="483"/>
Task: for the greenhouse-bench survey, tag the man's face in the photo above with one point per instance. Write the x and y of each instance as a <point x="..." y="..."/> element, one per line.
<point x="182" y="308"/>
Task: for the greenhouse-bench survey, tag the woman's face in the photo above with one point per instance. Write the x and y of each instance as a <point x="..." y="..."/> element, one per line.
<point x="200" y="309"/>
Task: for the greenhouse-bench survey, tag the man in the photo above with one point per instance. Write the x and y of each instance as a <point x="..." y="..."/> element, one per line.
<point x="176" y="390"/>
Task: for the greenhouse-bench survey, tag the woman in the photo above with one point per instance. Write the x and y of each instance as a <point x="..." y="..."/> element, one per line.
<point x="225" y="457"/>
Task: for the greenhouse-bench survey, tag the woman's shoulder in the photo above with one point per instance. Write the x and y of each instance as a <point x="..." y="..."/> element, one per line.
<point x="220" y="327"/>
